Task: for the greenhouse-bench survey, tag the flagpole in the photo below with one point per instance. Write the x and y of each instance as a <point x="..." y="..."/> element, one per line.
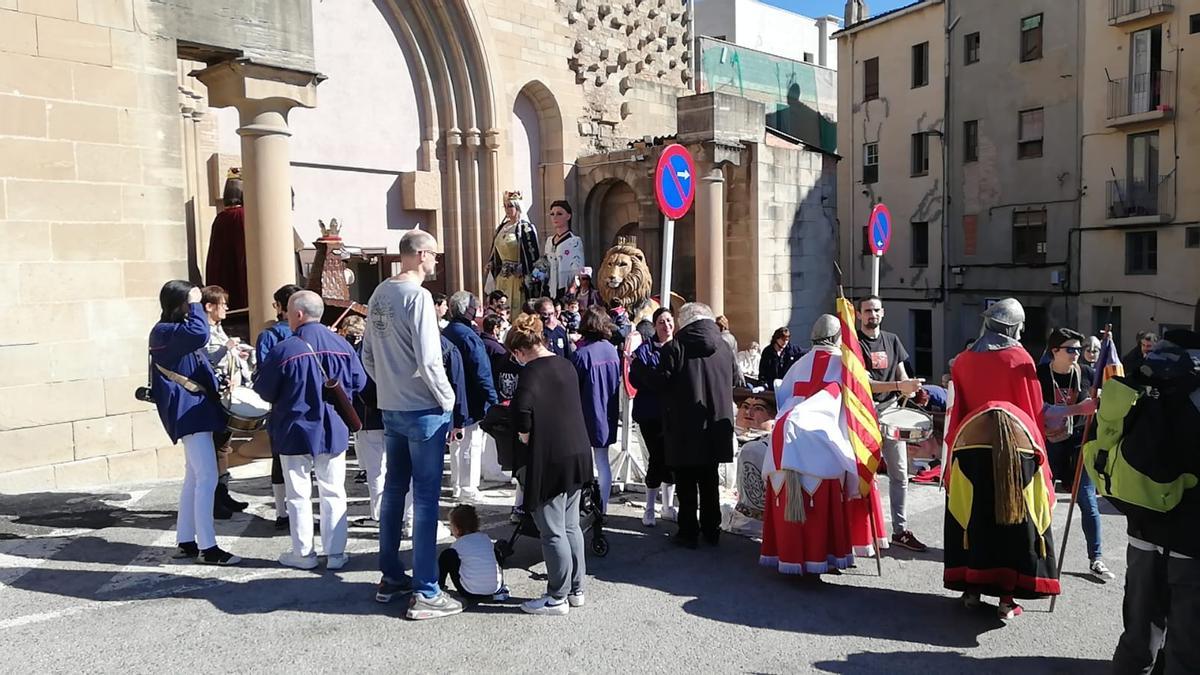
<point x="1062" y="551"/>
<point x="874" y="530"/>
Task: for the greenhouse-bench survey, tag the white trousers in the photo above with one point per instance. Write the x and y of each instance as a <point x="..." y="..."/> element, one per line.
<point x="331" y="484"/>
<point x="195" y="523"/>
<point x="491" y="469"/>
<point x="369" y="447"/>
<point x="465" y="458"/>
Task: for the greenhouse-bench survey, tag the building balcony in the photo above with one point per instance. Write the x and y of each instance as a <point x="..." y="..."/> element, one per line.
<point x="1126" y="11"/>
<point x="1140" y="202"/>
<point x="1146" y="97"/>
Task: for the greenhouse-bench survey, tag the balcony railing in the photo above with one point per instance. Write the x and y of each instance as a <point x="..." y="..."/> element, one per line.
<point x="1141" y="94"/>
<point x="1147" y="201"/>
<point x="1120" y="11"/>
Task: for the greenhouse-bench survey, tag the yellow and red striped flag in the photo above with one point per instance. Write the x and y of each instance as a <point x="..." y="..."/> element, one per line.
<point x="856" y="397"/>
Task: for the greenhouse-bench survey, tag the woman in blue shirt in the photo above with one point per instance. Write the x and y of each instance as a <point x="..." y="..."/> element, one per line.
<point x="599" y="368"/>
<point x="184" y="389"/>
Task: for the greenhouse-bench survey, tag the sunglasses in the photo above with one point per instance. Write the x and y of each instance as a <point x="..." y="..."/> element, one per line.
<point x="1071" y="350"/>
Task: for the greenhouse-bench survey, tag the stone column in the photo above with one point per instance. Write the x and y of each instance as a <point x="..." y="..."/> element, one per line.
<point x="472" y="257"/>
<point x="710" y="240"/>
<point x="263" y="96"/>
<point x="453" y="246"/>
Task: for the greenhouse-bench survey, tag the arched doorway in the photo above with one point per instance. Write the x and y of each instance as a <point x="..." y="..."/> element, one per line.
<point x="538" y="160"/>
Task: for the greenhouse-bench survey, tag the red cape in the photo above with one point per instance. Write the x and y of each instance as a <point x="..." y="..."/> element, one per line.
<point x="226" y="262"/>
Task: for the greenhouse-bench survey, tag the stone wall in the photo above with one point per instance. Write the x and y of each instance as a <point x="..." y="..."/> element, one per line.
<point x="91" y="224"/>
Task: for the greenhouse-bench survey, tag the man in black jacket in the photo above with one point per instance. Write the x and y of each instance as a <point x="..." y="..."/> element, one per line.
<point x="778" y="357"/>
<point x="696" y="370"/>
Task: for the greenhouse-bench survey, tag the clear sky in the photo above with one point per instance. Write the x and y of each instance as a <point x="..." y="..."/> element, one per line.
<point x="816" y="8"/>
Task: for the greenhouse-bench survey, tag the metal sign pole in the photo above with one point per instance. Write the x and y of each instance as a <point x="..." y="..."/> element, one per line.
<point x="875" y="273"/>
<point x="668" y="255"/>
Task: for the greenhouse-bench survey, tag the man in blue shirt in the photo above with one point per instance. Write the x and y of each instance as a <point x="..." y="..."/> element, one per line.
<point x="306" y="430"/>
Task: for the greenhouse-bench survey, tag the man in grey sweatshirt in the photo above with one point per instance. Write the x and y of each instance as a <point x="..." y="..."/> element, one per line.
<point x="402" y="353"/>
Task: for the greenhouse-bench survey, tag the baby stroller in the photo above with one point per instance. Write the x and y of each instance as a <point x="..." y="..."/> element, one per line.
<point x="591" y="519"/>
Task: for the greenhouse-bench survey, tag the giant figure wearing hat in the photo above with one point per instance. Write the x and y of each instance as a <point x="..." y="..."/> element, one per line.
<point x="515" y="254"/>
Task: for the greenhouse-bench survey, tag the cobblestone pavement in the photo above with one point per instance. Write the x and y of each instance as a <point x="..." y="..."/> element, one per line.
<point x="87" y="583"/>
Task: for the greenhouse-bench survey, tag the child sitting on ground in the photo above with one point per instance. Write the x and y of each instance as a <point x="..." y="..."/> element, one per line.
<point x="471" y="562"/>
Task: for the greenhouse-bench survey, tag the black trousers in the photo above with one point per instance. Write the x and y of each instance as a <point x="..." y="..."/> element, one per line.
<point x="1161" y="613"/>
<point x="698" y="485"/>
<point x="657" y="471"/>
<point x="449" y="565"/>
<point x="276" y="470"/>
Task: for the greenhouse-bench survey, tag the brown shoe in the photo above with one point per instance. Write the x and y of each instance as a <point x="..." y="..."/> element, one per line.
<point x="909" y="541"/>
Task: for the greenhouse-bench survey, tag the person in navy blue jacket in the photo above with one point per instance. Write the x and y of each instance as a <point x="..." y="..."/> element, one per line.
<point x="268" y="338"/>
<point x="306" y="429"/>
<point x="648" y="412"/>
<point x="184" y="389"/>
<point x="599" y="368"/>
<point x="466" y="442"/>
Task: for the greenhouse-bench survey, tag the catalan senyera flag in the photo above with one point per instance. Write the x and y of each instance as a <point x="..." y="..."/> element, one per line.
<point x="1108" y="364"/>
<point x="856" y="397"/>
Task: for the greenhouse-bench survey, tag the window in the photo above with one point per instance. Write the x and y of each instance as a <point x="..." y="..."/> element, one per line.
<point x="920" y="65"/>
<point x="920" y="154"/>
<point x="1194" y="24"/>
<point x="1141" y="253"/>
<point x="971" y="141"/>
<point x="870" y="163"/>
<point x="1029" y="237"/>
<point x="970" y="49"/>
<point x="871" y="79"/>
<point x="922" y="323"/>
<point x="1029" y="133"/>
<point x="1033" y="338"/>
<point x="1031" y="38"/>
<point x="920" y="244"/>
<point x="1191" y="237"/>
<point x="808" y="57"/>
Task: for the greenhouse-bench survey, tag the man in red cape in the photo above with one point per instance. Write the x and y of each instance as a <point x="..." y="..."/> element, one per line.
<point x="998" y="485"/>
<point x="226" y="262"/>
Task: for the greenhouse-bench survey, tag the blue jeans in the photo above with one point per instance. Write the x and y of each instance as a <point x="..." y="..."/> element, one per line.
<point x="1062" y="457"/>
<point x="415" y="443"/>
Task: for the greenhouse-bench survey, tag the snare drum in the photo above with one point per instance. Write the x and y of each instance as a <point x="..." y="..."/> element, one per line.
<point x="246" y="409"/>
<point x="906" y="424"/>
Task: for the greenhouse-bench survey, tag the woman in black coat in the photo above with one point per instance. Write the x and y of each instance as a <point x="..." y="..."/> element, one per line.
<point x="696" y="371"/>
<point x="548" y="418"/>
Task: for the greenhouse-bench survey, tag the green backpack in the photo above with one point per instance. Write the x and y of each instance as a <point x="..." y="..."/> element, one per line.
<point x="1145" y="440"/>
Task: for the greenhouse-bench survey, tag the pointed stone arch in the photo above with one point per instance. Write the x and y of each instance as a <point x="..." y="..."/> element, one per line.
<point x="551" y="164"/>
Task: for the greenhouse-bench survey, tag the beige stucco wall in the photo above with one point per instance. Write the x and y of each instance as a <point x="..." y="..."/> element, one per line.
<point x="92" y="223"/>
<point x="890" y="120"/>
<point x="1146" y="302"/>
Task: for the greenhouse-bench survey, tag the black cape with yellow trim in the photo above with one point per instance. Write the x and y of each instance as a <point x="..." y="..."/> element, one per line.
<point x="982" y="554"/>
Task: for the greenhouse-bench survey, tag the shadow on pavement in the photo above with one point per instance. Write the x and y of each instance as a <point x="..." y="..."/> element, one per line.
<point x="951" y="662"/>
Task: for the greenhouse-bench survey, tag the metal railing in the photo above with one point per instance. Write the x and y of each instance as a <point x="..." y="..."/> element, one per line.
<point x="1141" y="93"/>
<point x="1140" y="199"/>
<point x="1122" y="8"/>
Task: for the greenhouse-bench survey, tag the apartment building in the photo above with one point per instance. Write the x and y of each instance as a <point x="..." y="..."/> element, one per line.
<point x="1140" y="238"/>
<point x="891" y="110"/>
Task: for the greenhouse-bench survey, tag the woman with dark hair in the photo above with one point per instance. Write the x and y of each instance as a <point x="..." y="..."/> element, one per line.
<point x="563" y="254"/>
<point x="553" y="450"/>
<point x="184" y="388"/>
<point x="648" y="413"/>
<point x="514" y="253"/>
<point x="599" y="369"/>
<point x="778" y="357"/>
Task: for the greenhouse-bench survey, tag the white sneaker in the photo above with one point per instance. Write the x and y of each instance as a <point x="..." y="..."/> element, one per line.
<point x="669" y="513"/>
<point x="1101" y="571"/>
<point x="336" y="562"/>
<point x="577" y="599"/>
<point x="546" y="605"/>
<point x="300" y="562"/>
<point x="469" y="494"/>
<point x="501" y="595"/>
<point x="648" y="519"/>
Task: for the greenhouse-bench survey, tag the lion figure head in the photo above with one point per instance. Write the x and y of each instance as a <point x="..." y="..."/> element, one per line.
<point x="624" y="276"/>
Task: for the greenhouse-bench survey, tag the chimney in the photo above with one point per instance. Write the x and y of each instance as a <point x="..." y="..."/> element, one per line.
<point x="823" y="31"/>
<point x="856" y="10"/>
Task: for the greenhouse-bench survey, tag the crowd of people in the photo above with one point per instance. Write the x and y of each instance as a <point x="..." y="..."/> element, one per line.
<point x="422" y="376"/>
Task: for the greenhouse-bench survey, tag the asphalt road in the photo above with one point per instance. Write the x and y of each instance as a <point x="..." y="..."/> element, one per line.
<point x="87" y="585"/>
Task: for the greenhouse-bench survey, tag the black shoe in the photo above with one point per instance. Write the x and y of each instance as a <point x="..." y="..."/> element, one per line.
<point x="360" y="477"/>
<point x="220" y="511"/>
<point x="225" y="499"/>
<point x="187" y="550"/>
<point x="215" y="556"/>
<point x="686" y="541"/>
<point x="283" y="523"/>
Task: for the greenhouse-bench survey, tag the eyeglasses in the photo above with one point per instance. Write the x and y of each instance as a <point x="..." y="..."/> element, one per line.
<point x="1071" y="350"/>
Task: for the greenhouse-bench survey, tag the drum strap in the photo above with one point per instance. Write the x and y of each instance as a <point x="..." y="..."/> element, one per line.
<point x="190" y="385"/>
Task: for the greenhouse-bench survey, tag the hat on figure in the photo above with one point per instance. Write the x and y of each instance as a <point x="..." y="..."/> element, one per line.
<point x="1002" y="326"/>
<point x="827" y="330"/>
<point x="232" y="195"/>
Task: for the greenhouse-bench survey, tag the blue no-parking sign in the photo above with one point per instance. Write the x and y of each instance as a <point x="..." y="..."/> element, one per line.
<point x="675" y="181"/>
<point x="879" y="229"/>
